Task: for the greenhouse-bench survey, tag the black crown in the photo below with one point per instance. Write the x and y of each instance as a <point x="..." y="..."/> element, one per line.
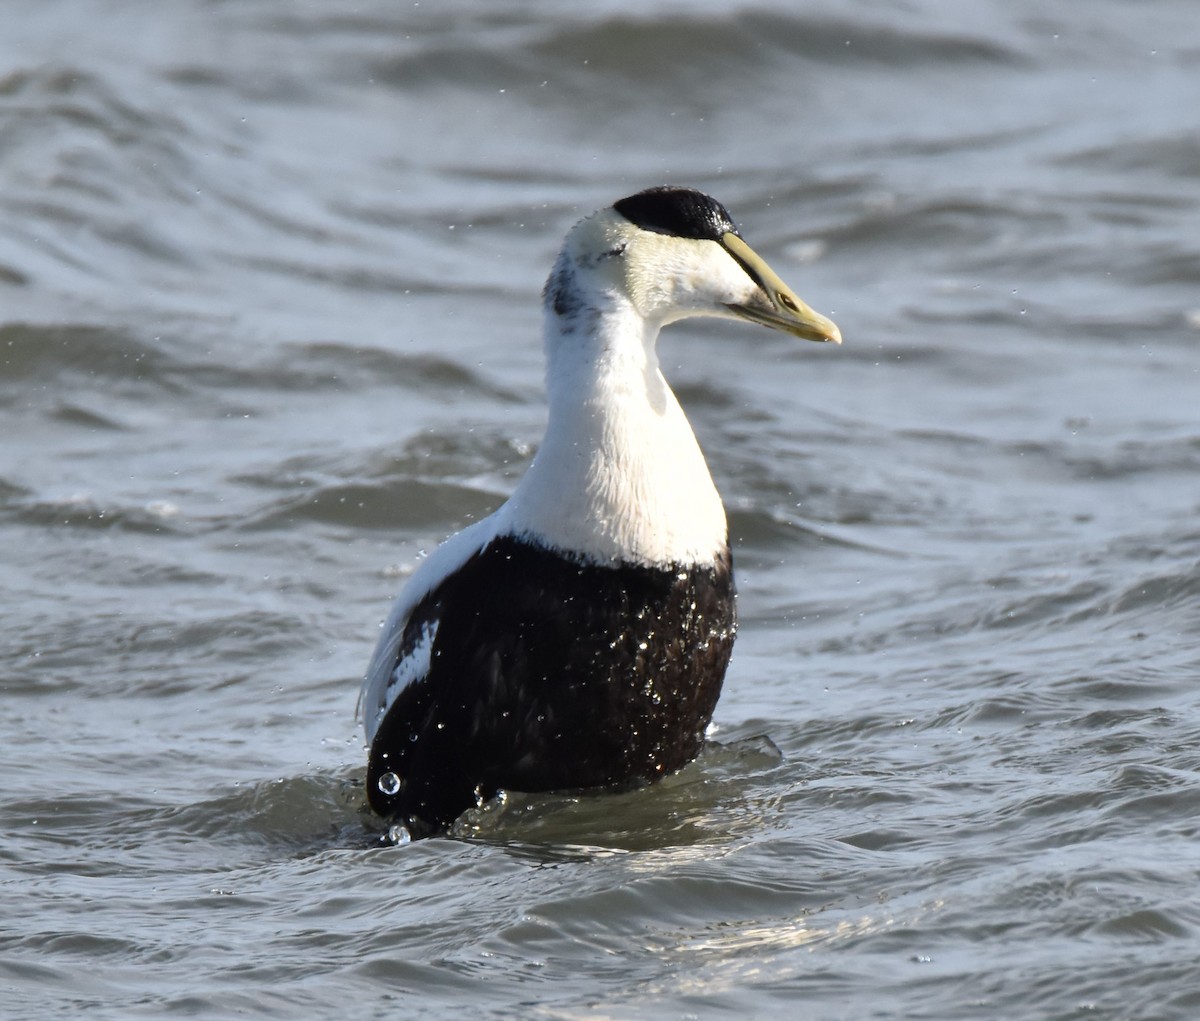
<point x="680" y="212"/>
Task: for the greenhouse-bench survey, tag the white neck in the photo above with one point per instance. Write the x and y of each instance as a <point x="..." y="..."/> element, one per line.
<point x="619" y="475"/>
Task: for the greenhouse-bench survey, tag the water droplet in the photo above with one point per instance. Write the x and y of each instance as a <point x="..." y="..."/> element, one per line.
<point x="398" y="835"/>
<point x="389" y="783"/>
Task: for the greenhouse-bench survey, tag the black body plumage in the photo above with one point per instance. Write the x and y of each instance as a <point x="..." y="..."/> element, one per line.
<point x="548" y="673"/>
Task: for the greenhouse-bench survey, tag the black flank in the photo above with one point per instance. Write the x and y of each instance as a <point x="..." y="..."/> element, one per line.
<point x="551" y="674"/>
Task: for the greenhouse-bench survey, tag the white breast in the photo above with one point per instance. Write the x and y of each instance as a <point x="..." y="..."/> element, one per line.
<point x="620" y="477"/>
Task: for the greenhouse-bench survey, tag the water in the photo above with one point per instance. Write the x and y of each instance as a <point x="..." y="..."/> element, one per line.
<point x="269" y="331"/>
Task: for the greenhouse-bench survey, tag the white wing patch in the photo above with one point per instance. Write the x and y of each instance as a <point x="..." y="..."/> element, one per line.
<point x="412" y="667"/>
<point x="392" y="668"/>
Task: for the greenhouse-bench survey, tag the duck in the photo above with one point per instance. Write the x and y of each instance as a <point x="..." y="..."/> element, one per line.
<point x="578" y="637"/>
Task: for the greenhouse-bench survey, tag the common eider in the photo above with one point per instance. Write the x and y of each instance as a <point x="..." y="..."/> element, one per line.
<point x="578" y="637"/>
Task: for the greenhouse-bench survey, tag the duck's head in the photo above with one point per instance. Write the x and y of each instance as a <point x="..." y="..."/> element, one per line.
<point x="669" y="253"/>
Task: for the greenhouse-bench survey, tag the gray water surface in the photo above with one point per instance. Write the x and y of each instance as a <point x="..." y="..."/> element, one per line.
<point x="269" y="331"/>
